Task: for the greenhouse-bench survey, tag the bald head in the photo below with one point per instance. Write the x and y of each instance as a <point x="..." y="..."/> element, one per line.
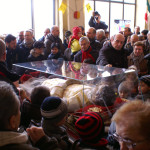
<point x="2" y="49"/>
<point x="117" y="41"/>
<point x="134" y="39"/>
<point x="55" y="31"/>
<point x="91" y="33"/>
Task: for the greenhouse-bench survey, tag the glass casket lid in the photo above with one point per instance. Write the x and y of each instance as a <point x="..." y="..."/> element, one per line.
<point x="72" y="70"/>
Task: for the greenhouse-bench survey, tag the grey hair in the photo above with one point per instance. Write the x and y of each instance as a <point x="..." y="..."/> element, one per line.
<point x="84" y="38"/>
<point x="2" y="48"/>
<point x="101" y="32"/>
<point x="53" y="28"/>
<point x="9" y="104"/>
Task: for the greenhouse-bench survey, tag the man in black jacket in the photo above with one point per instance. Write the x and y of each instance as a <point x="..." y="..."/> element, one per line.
<point x="113" y="54"/>
<point x="53" y="37"/>
<point x="12" y="51"/>
<point x="91" y="34"/>
<point x="96" y="22"/>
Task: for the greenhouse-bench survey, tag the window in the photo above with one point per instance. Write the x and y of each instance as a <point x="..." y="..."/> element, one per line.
<point x="119" y="11"/>
<point x="88" y="14"/>
<point x="43" y="16"/>
<point x="15" y="16"/>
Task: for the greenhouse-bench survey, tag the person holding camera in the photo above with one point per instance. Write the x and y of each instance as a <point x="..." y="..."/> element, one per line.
<point x="96" y="22"/>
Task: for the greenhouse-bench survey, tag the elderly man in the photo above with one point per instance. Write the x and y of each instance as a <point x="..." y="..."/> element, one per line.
<point x="113" y="54"/>
<point x="100" y="36"/>
<point x="91" y="34"/>
<point x="12" y="51"/>
<point x="129" y="46"/>
<point x="137" y="59"/>
<point x="47" y="31"/>
<point x="21" y="37"/>
<point x="5" y="74"/>
<point x="26" y="46"/>
<point x="53" y="37"/>
<point x="86" y="52"/>
<point x="11" y="138"/>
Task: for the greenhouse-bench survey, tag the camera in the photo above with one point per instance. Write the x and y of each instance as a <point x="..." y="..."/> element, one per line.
<point x="96" y="17"/>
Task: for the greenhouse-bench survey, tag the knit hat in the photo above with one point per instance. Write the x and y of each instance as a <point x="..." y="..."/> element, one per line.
<point x="53" y="109"/>
<point x="90" y="128"/>
<point x="145" y="79"/>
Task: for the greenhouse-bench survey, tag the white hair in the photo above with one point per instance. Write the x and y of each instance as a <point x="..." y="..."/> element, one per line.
<point x="101" y="32"/>
<point x="84" y="38"/>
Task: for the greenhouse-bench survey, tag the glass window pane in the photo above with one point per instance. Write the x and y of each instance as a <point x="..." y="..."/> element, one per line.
<point x="129" y="1"/>
<point x="116" y="14"/>
<point x="43" y="16"/>
<point x="18" y="18"/>
<point x="117" y="0"/>
<point x="103" y="9"/>
<point x="129" y="15"/>
<point x="88" y="14"/>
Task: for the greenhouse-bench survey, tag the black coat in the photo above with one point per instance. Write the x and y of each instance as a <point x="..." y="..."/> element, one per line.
<point x="78" y="56"/>
<point x="101" y="25"/>
<point x="12" y="57"/>
<point x="95" y="45"/>
<point x="7" y="76"/>
<point x="24" y="53"/>
<point x="109" y="55"/>
<point x="48" y="41"/>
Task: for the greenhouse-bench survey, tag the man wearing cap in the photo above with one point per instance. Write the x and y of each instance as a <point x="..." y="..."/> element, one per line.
<point x="96" y="22"/>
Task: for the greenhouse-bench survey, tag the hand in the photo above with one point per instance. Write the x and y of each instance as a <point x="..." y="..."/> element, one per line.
<point x="35" y="133"/>
<point x="109" y="65"/>
<point x="93" y="13"/>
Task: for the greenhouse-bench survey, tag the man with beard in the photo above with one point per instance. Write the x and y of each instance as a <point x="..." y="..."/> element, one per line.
<point x="91" y="34"/>
<point x="11" y="51"/>
<point x="26" y="46"/>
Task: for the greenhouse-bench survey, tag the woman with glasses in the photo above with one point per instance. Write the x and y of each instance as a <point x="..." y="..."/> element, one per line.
<point x="133" y="126"/>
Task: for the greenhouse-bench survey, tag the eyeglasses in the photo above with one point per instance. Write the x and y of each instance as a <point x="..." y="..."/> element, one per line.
<point x="129" y="143"/>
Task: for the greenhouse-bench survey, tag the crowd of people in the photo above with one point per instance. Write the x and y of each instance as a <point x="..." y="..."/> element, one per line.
<point x="37" y="122"/>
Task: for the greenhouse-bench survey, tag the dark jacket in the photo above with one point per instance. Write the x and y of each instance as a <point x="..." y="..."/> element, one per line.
<point x="109" y="55"/>
<point x="59" y="132"/>
<point x="102" y="41"/>
<point x="34" y="57"/>
<point x="67" y="54"/>
<point x="129" y="48"/>
<point x="100" y="25"/>
<point x="78" y="56"/>
<point x="49" y="40"/>
<point x="24" y="52"/>
<point x="8" y="76"/>
<point x="12" y="57"/>
<point x="147" y="47"/>
<point x="55" y="56"/>
<point x="29" y="112"/>
<point x="42" y="39"/>
<point x="95" y="45"/>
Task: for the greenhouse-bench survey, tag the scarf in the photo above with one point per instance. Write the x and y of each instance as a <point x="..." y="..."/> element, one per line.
<point x="86" y="54"/>
<point x="137" y="60"/>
